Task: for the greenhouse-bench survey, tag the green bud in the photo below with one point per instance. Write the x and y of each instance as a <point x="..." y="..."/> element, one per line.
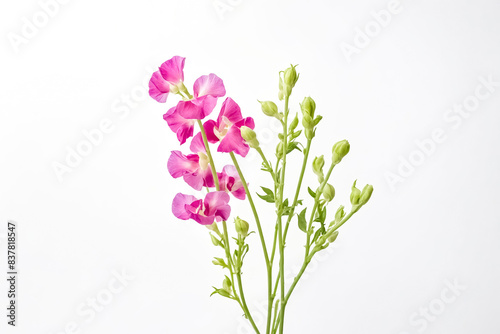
<point x="333" y="237"/>
<point x="366" y="194"/>
<point x="294" y="123"/>
<point x="339" y="215"/>
<point x="317" y="165"/>
<point x="290" y="77"/>
<point x="355" y="194"/>
<point x="328" y="192"/>
<point x="241" y="227"/>
<point x="340" y="150"/>
<point x="269" y="108"/>
<point x="249" y="136"/>
<point x="215" y="241"/>
<point x="279" y="150"/>
<point x="309" y="133"/>
<point x="219" y="262"/>
<point x="281" y="93"/>
<point x="307" y="122"/>
<point x="308" y="107"/>
<point x="226" y="284"/>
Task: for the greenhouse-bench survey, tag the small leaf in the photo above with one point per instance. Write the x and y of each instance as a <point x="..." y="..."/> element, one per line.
<point x="317" y="235"/>
<point x="311" y="192"/>
<point x="269" y="196"/>
<point x="302" y="221"/>
<point x="293" y="146"/>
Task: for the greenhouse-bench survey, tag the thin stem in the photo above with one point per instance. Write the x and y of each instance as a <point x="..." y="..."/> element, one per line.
<point x="226" y="234"/>
<point x="262" y="239"/>
<point x="299" y="185"/>
<point x="280" y="216"/>
<point x="309" y="258"/>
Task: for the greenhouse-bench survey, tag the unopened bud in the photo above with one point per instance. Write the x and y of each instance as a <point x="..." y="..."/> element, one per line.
<point x="290" y="78"/>
<point x="215" y="241"/>
<point x="281" y="93"/>
<point x="339" y="215"/>
<point x="366" y="194"/>
<point x="328" y="192"/>
<point x="355" y="194"/>
<point x="294" y="123"/>
<point x="249" y="136"/>
<point x="269" y="108"/>
<point x="317" y="165"/>
<point x="219" y="262"/>
<point x="340" y="150"/>
<point x="241" y="227"/>
<point x="308" y="106"/>
<point x="226" y="284"/>
<point x="333" y="237"/>
<point x="279" y="150"/>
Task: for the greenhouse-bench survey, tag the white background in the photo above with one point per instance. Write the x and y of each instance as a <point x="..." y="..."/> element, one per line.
<point x="438" y="223"/>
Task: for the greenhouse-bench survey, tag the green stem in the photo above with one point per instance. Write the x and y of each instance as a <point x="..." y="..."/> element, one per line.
<point x="308" y="259"/>
<point x="226" y="233"/>
<point x="280" y="216"/>
<point x="299" y="185"/>
<point x="261" y="235"/>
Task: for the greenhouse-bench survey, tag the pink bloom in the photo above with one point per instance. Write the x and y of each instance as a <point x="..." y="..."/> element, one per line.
<point x="213" y="208"/>
<point x="195" y="170"/>
<point x="182" y="127"/>
<point x="227" y="129"/>
<point x="168" y="78"/>
<point x="230" y="181"/>
<point x="207" y="89"/>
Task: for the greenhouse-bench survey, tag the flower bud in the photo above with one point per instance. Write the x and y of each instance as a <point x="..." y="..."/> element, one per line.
<point x="333" y="237"/>
<point x="249" y="136"/>
<point x="290" y="78"/>
<point x="308" y="107"/>
<point x="355" y="194"/>
<point x="279" y="150"/>
<point x="328" y="192"/>
<point x="294" y="123"/>
<point x="339" y="215"/>
<point x="340" y="150"/>
<point x="317" y="165"/>
<point x="307" y="122"/>
<point x="215" y="241"/>
<point x="281" y="93"/>
<point x="269" y="108"/>
<point x="219" y="262"/>
<point x="226" y="284"/>
<point x="366" y="194"/>
<point x="241" y="227"/>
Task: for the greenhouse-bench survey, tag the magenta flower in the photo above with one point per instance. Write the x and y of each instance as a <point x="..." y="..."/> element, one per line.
<point x="169" y="78"/>
<point x="227" y="129"/>
<point x="182" y="127"/>
<point x="213" y="208"/>
<point x="230" y="182"/>
<point x="194" y="168"/>
<point x="207" y="89"/>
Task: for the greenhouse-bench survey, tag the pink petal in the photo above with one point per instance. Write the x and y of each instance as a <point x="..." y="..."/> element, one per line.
<point x="231" y="111"/>
<point x="179" y="164"/>
<point x="204" y="220"/>
<point x="233" y="142"/>
<point x="248" y="122"/>
<point x="179" y="205"/>
<point x="197" y="144"/>
<point x="158" y="87"/>
<point x="182" y="127"/>
<point x="239" y="193"/>
<point x="198" y="108"/>
<point x="209" y="85"/>
<point x="195" y="180"/>
<point x="214" y="200"/>
<point x="172" y="70"/>
<point x="223" y="212"/>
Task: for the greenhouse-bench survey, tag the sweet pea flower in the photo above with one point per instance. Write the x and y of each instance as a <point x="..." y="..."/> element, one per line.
<point x="227" y="129"/>
<point x="182" y="127"/>
<point x="229" y="181"/>
<point x="205" y="212"/>
<point x="194" y="168"/>
<point x="207" y="89"/>
<point x="169" y="78"/>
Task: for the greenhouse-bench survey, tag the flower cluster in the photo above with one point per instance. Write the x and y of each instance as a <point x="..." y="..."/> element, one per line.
<point x="196" y="168"/>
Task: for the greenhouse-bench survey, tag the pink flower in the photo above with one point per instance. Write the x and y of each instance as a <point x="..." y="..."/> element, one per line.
<point x="230" y="181"/>
<point x="207" y="89"/>
<point x="227" y="129"/>
<point x="182" y="127"/>
<point x="213" y="208"/>
<point x="168" y="78"/>
<point x="194" y="168"/>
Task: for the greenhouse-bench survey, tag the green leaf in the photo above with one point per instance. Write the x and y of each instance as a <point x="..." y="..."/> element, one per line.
<point x="311" y="192"/>
<point x="302" y="221"/>
<point x="293" y="146"/>
<point x="269" y="196"/>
